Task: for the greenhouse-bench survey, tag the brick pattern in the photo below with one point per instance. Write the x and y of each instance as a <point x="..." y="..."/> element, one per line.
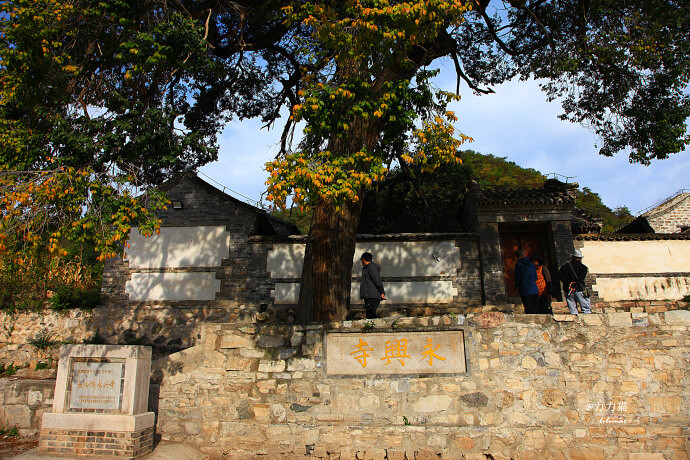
<point x="674" y="219"/>
<point x="88" y="443"/>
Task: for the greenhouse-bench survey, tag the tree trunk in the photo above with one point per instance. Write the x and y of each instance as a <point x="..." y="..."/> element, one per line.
<point x="327" y="273"/>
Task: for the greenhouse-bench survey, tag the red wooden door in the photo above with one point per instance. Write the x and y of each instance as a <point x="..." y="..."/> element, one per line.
<point x="531" y="242"/>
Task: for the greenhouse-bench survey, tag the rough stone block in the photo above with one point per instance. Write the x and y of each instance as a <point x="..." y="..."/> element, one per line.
<point x="375" y="454"/>
<point x="490" y="319"/>
<point x="393" y="454"/>
<point x="433" y="403"/>
<point x="564" y="318"/>
<point x="619" y="319"/>
<point x="677" y="317"/>
<point x="665" y="404"/>
<point x="271" y="366"/>
<point x="230" y="340"/>
<point x="301" y="364"/>
<point x="591" y="320"/>
<point x="590" y="453"/>
<point x="18" y="415"/>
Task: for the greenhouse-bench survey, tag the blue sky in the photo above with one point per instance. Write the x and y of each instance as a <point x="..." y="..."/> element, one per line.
<point x="516" y="123"/>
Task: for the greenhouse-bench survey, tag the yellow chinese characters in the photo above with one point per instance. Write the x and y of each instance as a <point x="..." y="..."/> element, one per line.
<point x="362" y="348"/>
<point x="396" y="349"/>
<point x="430" y="352"/>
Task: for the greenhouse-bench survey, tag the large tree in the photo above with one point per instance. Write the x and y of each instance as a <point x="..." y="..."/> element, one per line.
<point x="356" y="73"/>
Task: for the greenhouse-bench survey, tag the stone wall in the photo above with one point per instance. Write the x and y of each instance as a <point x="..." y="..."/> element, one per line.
<point x="608" y="385"/>
<point x="672" y="216"/>
<point x="23" y="403"/>
<point x="647" y="268"/>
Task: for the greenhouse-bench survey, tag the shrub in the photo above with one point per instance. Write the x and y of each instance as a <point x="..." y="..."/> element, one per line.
<point x="66" y="297"/>
<point x="43" y="340"/>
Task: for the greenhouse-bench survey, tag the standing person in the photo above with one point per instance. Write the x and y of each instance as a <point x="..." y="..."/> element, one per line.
<point x="544" y="285"/>
<point x="371" y="288"/>
<point x="572" y="276"/>
<point x="526" y="282"/>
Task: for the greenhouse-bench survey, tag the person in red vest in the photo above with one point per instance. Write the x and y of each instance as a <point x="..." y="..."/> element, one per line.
<point x="544" y="284"/>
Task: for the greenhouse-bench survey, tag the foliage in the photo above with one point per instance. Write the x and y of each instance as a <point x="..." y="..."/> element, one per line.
<point x="43" y="340"/>
<point x="621" y="66"/>
<point x="301" y="218"/>
<point x="67" y="297"/>
<point x="11" y="433"/>
<point x="612" y="220"/>
<point x="25" y="284"/>
<point x="8" y="371"/>
<point x="364" y="99"/>
<point x="91" y="115"/>
<point x="47" y="365"/>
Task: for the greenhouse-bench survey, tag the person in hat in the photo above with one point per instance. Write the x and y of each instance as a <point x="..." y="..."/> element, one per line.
<point x="572" y="275"/>
<point x="544" y="284"/>
<point x="371" y="288"/>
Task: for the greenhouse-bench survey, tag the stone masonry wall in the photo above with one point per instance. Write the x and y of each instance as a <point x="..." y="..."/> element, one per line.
<point x="611" y="385"/>
<point x="675" y="219"/>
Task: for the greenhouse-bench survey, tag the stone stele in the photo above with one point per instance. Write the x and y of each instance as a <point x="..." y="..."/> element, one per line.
<point x="395" y="353"/>
<point x="101" y="400"/>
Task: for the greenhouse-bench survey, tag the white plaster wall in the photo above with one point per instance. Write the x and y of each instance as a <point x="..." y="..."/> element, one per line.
<point x="409" y="258"/>
<point x="642" y="288"/>
<point x="666" y="256"/>
<point x="179" y="247"/>
<point x="285" y="260"/>
<point x="172" y="286"/>
<point x="400" y="292"/>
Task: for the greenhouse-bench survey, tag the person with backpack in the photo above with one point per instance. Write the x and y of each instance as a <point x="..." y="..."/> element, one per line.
<point x="572" y="275"/>
<point x="544" y="285"/>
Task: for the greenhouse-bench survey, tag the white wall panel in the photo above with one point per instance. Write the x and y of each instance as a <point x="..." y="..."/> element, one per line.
<point x="402" y="292"/>
<point x="642" y="288"/>
<point x="409" y="258"/>
<point x="665" y="256"/>
<point x="179" y="247"/>
<point x="172" y="286"/>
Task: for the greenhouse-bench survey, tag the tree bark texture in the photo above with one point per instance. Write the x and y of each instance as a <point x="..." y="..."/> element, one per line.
<point x="326" y="277"/>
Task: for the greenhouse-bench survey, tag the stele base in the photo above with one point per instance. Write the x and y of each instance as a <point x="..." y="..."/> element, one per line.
<point x="121" y="436"/>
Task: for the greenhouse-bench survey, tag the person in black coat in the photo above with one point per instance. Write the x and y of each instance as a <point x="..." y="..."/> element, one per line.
<point x="371" y="288"/>
<point x="572" y="275"/>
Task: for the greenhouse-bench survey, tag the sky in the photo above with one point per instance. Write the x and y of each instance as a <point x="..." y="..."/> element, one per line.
<point x="516" y="122"/>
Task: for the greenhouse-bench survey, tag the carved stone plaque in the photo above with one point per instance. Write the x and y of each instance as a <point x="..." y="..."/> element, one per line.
<point x="366" y="353"/>
<point x="96" y="385"/>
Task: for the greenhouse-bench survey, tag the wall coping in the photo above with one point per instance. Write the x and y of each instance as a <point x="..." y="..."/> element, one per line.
<point x="369" y="237"/>
<point x="634" y="237"/>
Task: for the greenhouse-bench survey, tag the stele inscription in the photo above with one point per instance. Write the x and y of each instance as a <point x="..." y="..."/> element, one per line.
<point x="96" y="385"/>
<point x="437" y="352"/>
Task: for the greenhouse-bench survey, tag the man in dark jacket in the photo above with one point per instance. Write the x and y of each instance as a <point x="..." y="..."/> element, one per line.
<point x="371" y="288"/>
<point x="526" y="282"/>
<point x="572" y="276"/>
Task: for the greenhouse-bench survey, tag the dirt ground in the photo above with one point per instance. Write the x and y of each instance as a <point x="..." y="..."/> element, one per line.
<point x="11" y="446"/>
